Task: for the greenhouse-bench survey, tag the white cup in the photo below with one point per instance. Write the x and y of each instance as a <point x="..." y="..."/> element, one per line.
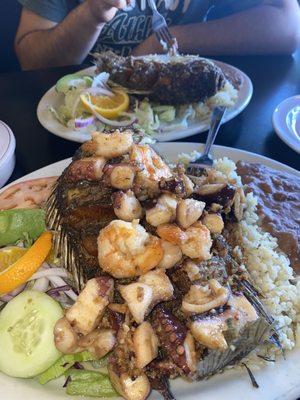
<point x="7" y="153"/>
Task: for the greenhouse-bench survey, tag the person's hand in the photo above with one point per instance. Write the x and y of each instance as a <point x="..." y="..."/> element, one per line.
<point x="148" y="46"/>
<point x="105" y="10"/>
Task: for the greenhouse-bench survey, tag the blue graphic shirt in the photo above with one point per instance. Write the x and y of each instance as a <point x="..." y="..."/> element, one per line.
<point x="132" y="26"/>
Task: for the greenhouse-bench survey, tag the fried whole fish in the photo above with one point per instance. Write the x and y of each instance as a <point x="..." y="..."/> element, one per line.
<point x="88" y="195"/>
<point x="164" y="79"/>
<point x="173" y="300"/>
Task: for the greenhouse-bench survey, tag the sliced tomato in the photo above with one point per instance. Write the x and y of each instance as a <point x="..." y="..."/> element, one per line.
<point x="27" y="194"/>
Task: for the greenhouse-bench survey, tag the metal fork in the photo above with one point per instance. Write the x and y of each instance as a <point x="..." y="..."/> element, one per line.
<point x="161" y="30"/>
<point x="196" y="168"/>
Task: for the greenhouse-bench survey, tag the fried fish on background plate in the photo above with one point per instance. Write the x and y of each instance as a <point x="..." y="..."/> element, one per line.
<point x="165" y="79"/>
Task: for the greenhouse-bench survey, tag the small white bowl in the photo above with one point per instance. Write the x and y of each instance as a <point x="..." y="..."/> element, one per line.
<point x="286" y="122"/>
<point x="7" y="153"/>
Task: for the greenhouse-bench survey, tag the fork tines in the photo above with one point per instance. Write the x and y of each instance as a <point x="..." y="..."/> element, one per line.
<point x="164" y="35"/>
<point x="195" y="170"/>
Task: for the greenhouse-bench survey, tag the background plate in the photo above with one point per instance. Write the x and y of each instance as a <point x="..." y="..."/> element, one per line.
<point x="54" y="99"/>
<point x="278" y="381"/>
<point x="286" y="122"/>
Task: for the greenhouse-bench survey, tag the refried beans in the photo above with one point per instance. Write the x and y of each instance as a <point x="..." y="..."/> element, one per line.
<point x="278" y="195"/>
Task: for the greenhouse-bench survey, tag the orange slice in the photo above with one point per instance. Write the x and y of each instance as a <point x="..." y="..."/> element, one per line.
<point x="9" y="255"/>
<point x="108" y="107"/>
<point x="21" y="270"/>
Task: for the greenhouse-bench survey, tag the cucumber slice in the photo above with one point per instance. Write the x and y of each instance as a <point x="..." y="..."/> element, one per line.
<point x="73" y="80"/>
<point x="26" y="334"/>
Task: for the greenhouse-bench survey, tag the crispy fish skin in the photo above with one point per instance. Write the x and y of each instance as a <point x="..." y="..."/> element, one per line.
<point x="179" y="80"/>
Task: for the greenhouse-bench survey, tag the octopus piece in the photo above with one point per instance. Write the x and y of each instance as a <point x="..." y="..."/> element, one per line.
<point x="221" y="194"/>
<point x="175" y="340"/>
<point x="187" y="184"/>
<point x="181" y="282"/>
<point x="120" y="176"/>
<point x="89" y="307"/>
<point x="99" y="342"/>
<point x="188" y="212"/>
<point x="214" y="222"/>
<point x="201" y="299"/>
<point x="164" y="211"/>
<point x="172" y="233"/>
<point x="160" y="284"/>
<point x="143" y="295"/>
<point x="131" y="388"/>
<point x="145" y="344"/>
<point x="239" y="203"/>
<point x="109" y="145"/>
<point x="65" y="337"/>
<point x="126" y="250"/>
<point x="126" y="206"/>
<point x="90" y="169"/>
<point x="192" y="270"/>
<point x="195" y="242"/>
<point x="138" y="297"/>
<point x="159" y="370"/>
<point x="209" y="330"/>
<point x="172" y="255"/>
<point x="115" y="314"/>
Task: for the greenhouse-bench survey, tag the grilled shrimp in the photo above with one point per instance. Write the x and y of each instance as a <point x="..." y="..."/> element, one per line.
<point x="109" y="145"/>
<point x="153" y="169"/>
<point x="126" y="250"/>
<point x="195" y="242"/>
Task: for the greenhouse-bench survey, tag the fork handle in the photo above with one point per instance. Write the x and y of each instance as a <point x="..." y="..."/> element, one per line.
<point x="216" y="119"/>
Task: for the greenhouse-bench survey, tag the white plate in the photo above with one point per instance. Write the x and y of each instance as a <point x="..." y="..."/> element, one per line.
<point x="7" y="153"/>
<point x="279" y="381"/>
<point x="286" y="122"/>
<point x="53" y="99"/>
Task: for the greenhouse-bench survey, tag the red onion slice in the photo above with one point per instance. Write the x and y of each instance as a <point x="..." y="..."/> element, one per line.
<point x="100" y="79"/>
<point x="41" y="285"/>
<point x="18" y="290"/>
<point x="54" y="292"/>
<point x="6" y="298"/>
<point x="99" y="91"/>
<point x="84" y="122"/>
<point x="57" y="282"/>
<point x="113" y="122"/>
<point x="49" y="272"/>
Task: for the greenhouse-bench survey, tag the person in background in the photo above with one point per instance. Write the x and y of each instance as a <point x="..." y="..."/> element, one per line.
<point x="63" y="32"/>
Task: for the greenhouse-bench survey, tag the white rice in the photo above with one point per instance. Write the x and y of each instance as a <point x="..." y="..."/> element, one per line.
<point x="268" y="266"/>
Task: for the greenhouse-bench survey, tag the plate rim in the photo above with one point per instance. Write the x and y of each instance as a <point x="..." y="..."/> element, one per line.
<point x="280" y="166"/>
<point x="164" y="137"/>
<point x="53" y="392"/>
<point x="286" y="138"/>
